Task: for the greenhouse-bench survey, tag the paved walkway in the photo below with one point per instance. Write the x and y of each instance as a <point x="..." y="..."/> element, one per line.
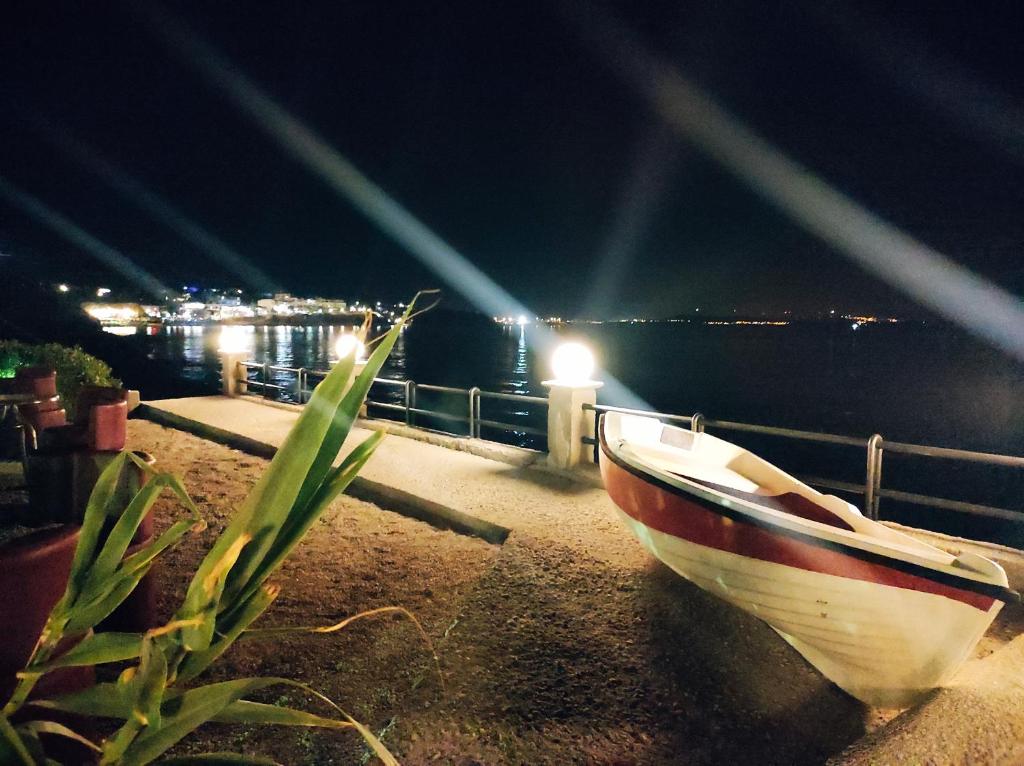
<point x="545" y="502"/>
<point x="720" y="656"/>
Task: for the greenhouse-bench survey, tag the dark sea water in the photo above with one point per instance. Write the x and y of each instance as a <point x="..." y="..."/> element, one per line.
<point x="912" y="382"/>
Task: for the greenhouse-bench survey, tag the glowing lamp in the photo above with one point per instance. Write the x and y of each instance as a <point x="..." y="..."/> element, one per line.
<point x="232" y="340"/>
<point x="63" y="288"/>
<point x="349" y="344"/>
<point x="572" y="363"/>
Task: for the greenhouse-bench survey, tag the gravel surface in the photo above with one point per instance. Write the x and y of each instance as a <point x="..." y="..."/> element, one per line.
<point x="567" y="644"/>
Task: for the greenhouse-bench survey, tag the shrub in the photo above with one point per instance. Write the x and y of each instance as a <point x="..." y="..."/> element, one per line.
<point x="74" y="367"/>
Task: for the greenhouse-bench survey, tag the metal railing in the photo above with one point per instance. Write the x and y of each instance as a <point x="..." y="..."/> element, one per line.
<point x="473" y="419"/>
<point x="874" y="446"/>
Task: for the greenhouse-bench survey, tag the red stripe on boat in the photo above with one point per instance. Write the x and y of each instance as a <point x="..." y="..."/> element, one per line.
<point x="788" y="502"/>
<point x="686" y="519"/>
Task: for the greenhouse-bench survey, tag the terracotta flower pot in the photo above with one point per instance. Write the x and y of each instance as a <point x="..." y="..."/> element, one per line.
<point x="60" y="484"/>
<point x="33" y="574"/>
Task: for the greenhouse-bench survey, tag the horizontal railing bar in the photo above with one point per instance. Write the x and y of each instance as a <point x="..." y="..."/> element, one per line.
<point x="952" y="505"/>
<point x="280" y="368"/>
<point x="685" y="419"/>
<point x="513" y="397"/>
<point x="436" y="414"/>
<point x="261" y="384"/>
<point x="252" y="365"/>
<point x="811" y="436"/>
<point x="842" y="486"/>
<point x="512" y="427"/>
<point x="991" y="458"/>
<point x="442" y="389"/>
<point x="385" y="405"/>
<point x="390" y="381"/>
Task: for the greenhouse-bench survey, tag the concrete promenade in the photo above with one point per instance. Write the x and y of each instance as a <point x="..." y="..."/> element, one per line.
<point x="511" y="494"/>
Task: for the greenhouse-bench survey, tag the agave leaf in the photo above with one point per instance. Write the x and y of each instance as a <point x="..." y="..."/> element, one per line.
<point x="192" y="709"/>
<point x="244" y="711"/>
<point x="375" y="744"/>
<point x="12" y="747"/>
<point x="325" y="404"/>
<point x="107" y="700"/>
<point x="209" y="588"/>
<point x="268" y="504"/>
<point x="121" y="535"/>
<point x="85" y="616"/>
<point x="346" y="413"/>
<point x="300" y="521"/>
<point x="95" y="649"/>
<point x="342" y="411"/>
<point x="96" y="511"/>
<point x="35" y="728"/>
<point x="220" y="759"/>
<point x="104" y="700"/>
<point x="147" y="690"/>
<point x="250" y="610"/>
<point x="144" y="556"/>
<point x="339" y="478"/>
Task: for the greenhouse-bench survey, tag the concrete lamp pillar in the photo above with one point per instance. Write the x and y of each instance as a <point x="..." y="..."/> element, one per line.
<point x="568" y="421"/>
<point x="232" y="374"/>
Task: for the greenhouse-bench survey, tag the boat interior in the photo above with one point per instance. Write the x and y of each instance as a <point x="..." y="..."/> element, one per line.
<point x="728" y="469"/>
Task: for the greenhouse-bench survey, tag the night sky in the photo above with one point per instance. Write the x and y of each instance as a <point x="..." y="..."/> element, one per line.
<point x="497" y="127"/>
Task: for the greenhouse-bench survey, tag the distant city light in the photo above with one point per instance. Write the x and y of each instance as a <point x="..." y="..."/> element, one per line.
<point x="855" y="326"/>
<point x="572" y="363"/>
<point x="522" y="320"/>
<point x="347" y="344"/>
<point x="112" y="312"/>
<point x="101" y="292"/>
<point x="63" y="288"/>
<point x="121" y="330"/>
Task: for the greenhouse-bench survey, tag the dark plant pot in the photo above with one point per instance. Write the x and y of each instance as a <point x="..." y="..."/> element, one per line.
<point x="48" y="477"/>
<point x="137" y="613"/>
<point x="60" y="483"/>
<point x="33" y="575"/>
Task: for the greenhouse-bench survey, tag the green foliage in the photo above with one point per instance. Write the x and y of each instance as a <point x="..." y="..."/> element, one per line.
<point x="156" y="699"/>
<point x="74" y="367"/>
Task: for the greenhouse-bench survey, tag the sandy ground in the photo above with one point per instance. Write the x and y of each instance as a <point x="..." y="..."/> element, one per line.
<point x="567" y="644"/>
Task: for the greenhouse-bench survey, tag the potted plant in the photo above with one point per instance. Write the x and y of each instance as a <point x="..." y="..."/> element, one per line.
<point x="160" y="699"/>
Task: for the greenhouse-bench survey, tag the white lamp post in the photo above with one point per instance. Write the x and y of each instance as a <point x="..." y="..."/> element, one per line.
<point x="569" y="390"/>
<point x="233" y="350"/>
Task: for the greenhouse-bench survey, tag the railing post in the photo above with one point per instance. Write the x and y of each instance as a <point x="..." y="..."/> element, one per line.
<point x="232" y="373"/>
<point x="300" y="375"/>
<point x="596" y="456"/>
<point x="410" y="400"/>
<point x="873" y="476"/>
<point x="474" y="412"/>
<point x="568" y="422"/>
<point x="697" y="423"/>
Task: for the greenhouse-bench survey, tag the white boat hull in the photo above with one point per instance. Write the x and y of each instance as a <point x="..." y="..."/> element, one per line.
<point x="886" y="646"/>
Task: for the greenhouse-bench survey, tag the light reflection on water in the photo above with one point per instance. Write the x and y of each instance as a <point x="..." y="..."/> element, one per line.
<point x="503" y="364"/>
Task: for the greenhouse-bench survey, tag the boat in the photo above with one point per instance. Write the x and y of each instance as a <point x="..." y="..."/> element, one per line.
<point x="883" y="615"/>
